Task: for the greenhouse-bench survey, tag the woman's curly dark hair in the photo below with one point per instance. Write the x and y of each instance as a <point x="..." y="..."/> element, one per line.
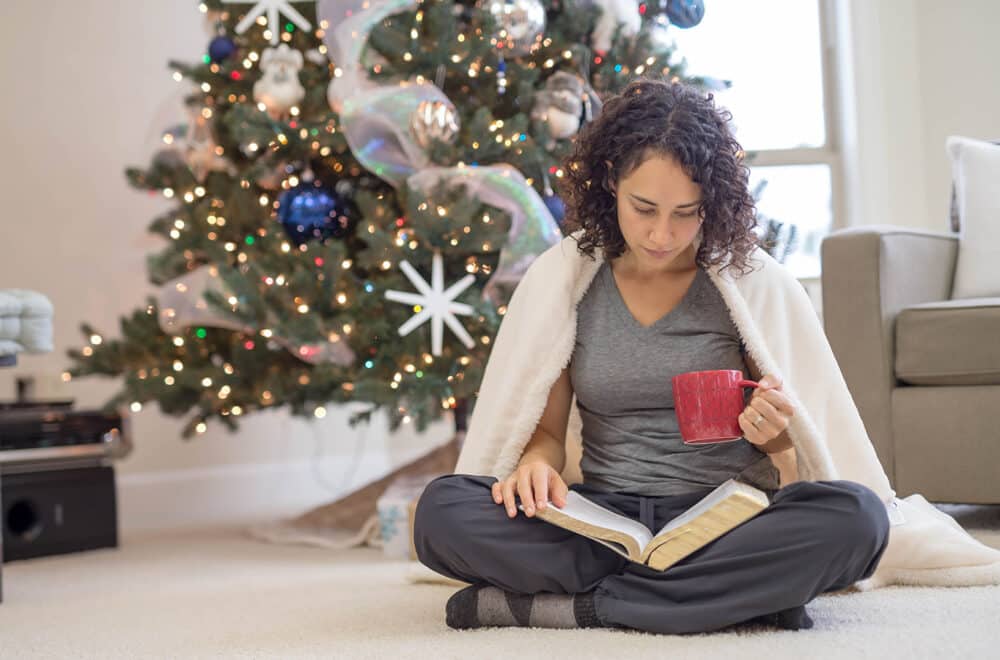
<point x="656" y="117"/>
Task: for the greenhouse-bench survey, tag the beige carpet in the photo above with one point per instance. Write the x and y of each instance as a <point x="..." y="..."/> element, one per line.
<point x="221" y="594"/>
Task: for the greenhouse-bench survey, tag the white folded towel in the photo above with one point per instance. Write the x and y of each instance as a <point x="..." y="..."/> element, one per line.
<point x="25" y="322"/>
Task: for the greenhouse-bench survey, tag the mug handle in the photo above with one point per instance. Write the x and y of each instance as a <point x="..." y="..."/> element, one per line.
<point x="747" y="383"/>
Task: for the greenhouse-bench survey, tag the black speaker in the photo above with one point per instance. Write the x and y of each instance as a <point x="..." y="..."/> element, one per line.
<point x="50" y="512"/>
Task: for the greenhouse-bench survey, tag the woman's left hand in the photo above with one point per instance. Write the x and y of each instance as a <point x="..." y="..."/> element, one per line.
<point x="767" y="415"/>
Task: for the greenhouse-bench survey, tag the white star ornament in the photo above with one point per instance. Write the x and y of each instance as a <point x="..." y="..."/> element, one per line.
<point x="437" y="302"/>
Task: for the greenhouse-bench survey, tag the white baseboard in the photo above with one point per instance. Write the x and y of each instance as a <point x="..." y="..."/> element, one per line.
<point x="150" y="502"/>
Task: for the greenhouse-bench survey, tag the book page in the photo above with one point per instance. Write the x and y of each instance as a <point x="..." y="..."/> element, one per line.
<point x="616" y="546"/>
<point x="580" y="508"/>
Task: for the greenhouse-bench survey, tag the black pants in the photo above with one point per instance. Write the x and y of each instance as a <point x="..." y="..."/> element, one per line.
<point x="816" y="536"/>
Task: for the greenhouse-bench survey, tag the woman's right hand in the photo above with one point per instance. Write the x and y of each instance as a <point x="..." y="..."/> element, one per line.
<point x="536" y="482"/>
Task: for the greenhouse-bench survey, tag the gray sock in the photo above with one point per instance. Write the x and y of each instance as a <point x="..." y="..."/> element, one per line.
<point x="481" y="605"/>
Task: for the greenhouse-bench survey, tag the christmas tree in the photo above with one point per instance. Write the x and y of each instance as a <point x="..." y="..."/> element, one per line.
<point x="358" y="190"/>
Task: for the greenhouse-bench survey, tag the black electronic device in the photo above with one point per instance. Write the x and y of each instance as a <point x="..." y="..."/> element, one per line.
<point x="45" y="437"/>
<point x="51" y="512"/>
<point x="57" y="484"/>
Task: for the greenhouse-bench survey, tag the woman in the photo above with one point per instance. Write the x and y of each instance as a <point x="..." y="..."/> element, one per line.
<point x="657" y="183"/>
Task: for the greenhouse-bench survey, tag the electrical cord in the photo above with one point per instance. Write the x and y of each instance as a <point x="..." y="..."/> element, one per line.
<point x="352" y="466"/>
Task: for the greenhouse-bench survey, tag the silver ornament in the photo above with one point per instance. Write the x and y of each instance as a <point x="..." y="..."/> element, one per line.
<point x="434" y="120"/>
<point x="566" y="102"/>
<point x="521" y="23"/>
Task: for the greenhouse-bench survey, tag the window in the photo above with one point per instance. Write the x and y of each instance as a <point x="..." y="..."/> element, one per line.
<point x="776" y="54"/>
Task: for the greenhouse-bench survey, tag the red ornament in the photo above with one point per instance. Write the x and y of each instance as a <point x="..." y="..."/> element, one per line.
<point x="248" y="345"/>
<point x="236" y="75"/>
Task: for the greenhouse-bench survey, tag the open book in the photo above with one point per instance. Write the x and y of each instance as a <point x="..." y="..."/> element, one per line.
<point x="726" y="507"/>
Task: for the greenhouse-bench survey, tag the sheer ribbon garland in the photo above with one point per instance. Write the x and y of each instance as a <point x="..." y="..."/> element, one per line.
<point x="375" y="118"/>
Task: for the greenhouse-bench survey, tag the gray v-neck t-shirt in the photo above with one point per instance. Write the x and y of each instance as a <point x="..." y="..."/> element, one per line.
<point x="621" y="371"/>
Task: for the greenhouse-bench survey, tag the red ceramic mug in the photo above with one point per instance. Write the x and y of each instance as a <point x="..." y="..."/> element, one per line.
<point x="708" y="405"/>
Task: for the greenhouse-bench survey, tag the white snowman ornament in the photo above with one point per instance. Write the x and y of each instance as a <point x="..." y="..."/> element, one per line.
<point x="613" y="13"/>
<point x="279" y="88"/>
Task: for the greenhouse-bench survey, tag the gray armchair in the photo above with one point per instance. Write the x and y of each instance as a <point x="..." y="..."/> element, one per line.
<point x="924" y="370"/>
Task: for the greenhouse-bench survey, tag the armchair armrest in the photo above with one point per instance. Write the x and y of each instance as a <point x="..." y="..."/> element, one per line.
<point x="869" y="274"/>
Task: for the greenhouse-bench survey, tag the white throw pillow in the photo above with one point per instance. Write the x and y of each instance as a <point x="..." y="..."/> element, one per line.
<point x="975" y="168"/>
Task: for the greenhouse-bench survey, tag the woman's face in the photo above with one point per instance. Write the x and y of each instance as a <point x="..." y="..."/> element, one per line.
<point x="658" y="216"/>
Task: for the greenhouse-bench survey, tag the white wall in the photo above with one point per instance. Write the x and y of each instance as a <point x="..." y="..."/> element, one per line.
<point x="86" y="83"/>
<point x="960" y="89"/>
<point x="922" y="70"/>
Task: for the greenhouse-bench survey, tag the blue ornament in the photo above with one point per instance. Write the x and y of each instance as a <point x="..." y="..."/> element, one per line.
<point x="555" y="205"/>
<point x="221" y="48"/>
<point x="685" y="13"/>
<point x="311" y="211"/>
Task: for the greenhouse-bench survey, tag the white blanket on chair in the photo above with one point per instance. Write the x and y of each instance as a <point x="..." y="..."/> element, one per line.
<point x="783" y="336"/>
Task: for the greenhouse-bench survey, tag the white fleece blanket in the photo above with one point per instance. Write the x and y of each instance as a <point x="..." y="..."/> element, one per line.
<point x="783" y="336"/>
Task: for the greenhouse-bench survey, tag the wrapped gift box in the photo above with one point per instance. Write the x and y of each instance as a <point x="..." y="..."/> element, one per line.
<point x="395" y="509"/>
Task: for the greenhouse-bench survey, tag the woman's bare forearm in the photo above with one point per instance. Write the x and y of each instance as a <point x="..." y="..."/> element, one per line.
<point x="788" y="467"/>
<point x="547" y="448"/>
